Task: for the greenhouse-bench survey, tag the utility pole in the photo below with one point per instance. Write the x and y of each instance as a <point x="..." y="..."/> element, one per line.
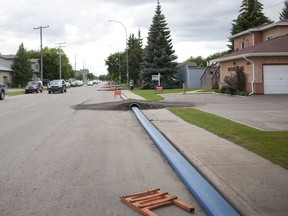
<point x="41" y="52"/>
<point x="60" y="44"/>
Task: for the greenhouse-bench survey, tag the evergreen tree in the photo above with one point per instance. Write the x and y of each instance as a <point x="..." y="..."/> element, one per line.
<point x="284" y="13"/>
<point x="21" y="66"/>
<point x="158" y="56"/>
<point x="135" y="52"/>
<point x="250" y="16"/>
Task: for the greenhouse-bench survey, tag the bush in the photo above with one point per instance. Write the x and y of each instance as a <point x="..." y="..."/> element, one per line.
<point x="236" y="82"/>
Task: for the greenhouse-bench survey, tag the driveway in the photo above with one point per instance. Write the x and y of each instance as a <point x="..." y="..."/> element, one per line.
<point x="265" y="112"/>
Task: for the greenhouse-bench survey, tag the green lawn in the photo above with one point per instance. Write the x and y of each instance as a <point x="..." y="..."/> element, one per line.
<point x="272" y="145"/>
<point x="15" y="91"/>
<point x="156" y="95"/>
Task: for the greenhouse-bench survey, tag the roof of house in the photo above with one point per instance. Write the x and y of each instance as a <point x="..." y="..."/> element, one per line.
<point x="275" y="47"/>
<point x="2" y="68"/>
<point x="261" y="28"/>
<point x="189" y="64"/>
<point x="34" y="60"/>
<point x="8" y="57"/>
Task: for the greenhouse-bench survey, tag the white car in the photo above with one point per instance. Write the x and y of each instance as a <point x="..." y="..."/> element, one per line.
<point x="90" y="83"/>
<point x="67" y="84"/>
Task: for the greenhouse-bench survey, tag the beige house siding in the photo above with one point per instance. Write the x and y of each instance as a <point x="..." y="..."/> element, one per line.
<point x="275" y="32"/>
<point x="258" y="37"/>
<point x="226" y="69"/>
<point x="247" y="39"/>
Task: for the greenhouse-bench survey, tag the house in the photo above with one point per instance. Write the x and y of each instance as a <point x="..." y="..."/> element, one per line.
<point x="190" y="74"/>
<point x="6" y="71"/>
<point x="5" y="68"/>
<point x="263" y="54"/>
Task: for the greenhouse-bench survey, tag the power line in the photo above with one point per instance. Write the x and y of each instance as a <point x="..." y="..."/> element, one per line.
<point x="41" y="52"/>
<point x="60" y="45"/>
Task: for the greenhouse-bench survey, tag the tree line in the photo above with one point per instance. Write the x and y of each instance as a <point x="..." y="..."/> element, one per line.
<point x="158" y="56"/>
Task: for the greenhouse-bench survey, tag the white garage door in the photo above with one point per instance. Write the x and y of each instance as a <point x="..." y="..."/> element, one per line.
<point x="275" y="79"/>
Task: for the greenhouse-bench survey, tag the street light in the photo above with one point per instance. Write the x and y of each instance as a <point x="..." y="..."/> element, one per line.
<point x="126" y="50"/>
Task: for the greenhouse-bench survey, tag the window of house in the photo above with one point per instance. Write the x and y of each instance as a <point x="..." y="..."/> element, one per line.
<point x="242" y="45"/>
<point x="270" y="37"/>
<point x="5" y="79"/>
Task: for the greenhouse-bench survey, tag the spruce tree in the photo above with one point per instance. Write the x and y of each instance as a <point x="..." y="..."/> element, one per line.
<point x="250" y="16"/>
<point x="284" y="13"/>
<point x="159" y="56"/>
<point x="135" y="52"/>
<point x="21" y="66"/>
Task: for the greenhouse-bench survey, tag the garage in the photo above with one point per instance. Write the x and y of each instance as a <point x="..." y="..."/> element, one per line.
<point x="275" y="79"/>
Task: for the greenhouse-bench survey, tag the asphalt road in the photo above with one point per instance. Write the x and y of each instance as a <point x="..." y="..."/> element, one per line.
<point x="55" y="160"/>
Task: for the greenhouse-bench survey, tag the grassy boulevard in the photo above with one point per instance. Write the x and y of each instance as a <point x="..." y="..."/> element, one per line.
<point x="272" y="145"/>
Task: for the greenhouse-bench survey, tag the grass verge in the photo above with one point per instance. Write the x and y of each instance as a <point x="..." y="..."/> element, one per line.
<point x="272" y="145"/>
<point x="15" y="91"/>
<point x="151" y="94"/>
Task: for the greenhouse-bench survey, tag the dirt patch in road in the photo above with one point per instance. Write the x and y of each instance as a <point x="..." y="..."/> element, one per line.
<point x="126" y="104"/>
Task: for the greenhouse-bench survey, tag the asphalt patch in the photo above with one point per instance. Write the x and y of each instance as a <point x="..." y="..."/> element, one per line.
<point x="126" y="105"/>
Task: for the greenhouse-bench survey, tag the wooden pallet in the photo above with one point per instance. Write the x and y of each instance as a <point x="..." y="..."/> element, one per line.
<point x="145" y="201"/>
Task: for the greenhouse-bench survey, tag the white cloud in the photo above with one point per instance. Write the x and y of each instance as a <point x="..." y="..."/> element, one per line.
<point x="197" y="27"/>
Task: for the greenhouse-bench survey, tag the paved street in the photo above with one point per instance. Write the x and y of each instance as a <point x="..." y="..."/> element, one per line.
<point x="58" y="161"/>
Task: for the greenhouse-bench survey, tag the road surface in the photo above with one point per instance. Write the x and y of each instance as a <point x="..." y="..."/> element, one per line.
<point x="55" y="160"/>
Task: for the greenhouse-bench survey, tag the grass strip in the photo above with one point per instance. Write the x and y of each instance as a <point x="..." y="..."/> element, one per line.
<point x="151" y="94"/>
<point x="272" y="145"/>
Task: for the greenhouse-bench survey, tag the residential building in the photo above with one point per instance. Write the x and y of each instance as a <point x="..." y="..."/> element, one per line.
<point x="263" y="54"/>
<point x="5" y="68"/>
<point x="6" y="71"/>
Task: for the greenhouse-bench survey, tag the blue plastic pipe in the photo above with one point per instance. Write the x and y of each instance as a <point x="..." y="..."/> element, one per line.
<point x="212" y="202"/>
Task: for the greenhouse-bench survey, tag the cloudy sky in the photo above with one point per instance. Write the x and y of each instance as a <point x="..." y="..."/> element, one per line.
<point x="198" y="27"/>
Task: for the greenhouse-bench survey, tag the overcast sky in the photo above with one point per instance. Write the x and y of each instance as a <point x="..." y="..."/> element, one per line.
<point x="198" y="27"/>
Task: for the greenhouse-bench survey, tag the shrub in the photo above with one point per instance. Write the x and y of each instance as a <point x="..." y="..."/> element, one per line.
<point x="236" y="82"/>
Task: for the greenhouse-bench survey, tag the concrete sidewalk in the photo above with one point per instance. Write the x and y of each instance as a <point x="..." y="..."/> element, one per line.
<point x="252" y="184"/>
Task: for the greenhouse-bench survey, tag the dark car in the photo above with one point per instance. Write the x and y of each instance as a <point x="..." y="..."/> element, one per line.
<point x="34" y="86"/>
<point x="3" y="88"/>
<point x="57" y="86"/>
<point x="46" y="82"/>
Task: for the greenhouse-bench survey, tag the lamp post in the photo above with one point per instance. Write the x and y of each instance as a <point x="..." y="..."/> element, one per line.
<point x="126" y="50"/>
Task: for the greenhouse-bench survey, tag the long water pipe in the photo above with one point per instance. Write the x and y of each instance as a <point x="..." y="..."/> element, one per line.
<point x="208" y="197"/>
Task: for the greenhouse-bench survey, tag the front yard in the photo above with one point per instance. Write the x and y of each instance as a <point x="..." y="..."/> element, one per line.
<point x="272" y="145"/>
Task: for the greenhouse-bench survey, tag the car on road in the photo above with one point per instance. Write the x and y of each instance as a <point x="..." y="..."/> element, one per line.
<point x="90" y="83"/>
<point x="57" y="86"/>
<point x="78" y="83"/>
<point x="3" y="88"/>
<point x="68" y="85"/>
<point x="34" y="86"/>
<point x="46" y="82"/>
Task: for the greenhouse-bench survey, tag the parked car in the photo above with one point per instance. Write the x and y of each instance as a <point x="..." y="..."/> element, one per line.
<point x="34" y="86"/>
<point x="90" y="83"/>
<point x="57" y="86"/>
<point x="67" y="84"/>
<point x="3" y="88"/>
<point x="46" y="82"/>
<point x="78" y="83"/>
